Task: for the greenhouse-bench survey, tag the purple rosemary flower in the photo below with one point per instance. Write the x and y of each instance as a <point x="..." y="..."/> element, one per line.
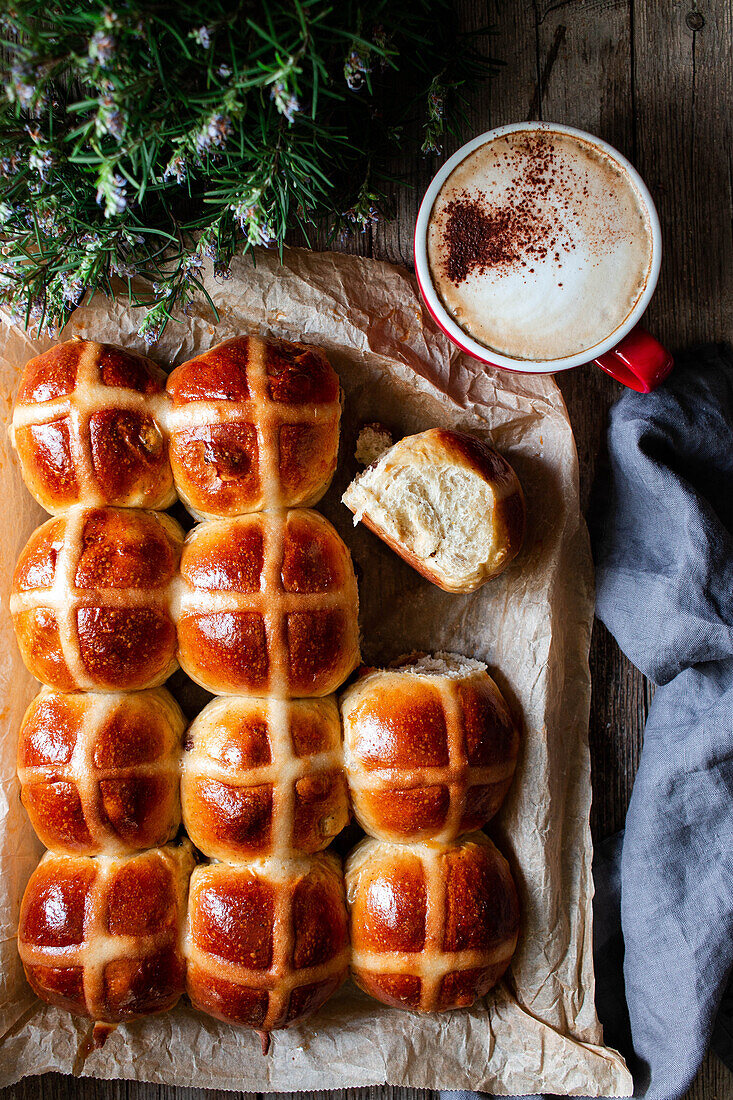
<point x="214" y="133"/>
<point x="9" y="165"/>
<point x="252" y="219"/>
<point x="286" y="101"/>
<point x="202" y="36"/>
<point x="356" y="67"/>
<point x="102" y="48"/>
<point x="120" y="267"/>
<point x="175" y="169"/>
<point x="41" y="160"/>
<point x="22" y="86"/>
<point x="191" y="265"/>
<point x="72" y="288"/>
<point x="110" y="119"/>
<point x="112" y="193"/>
<point x="153" y="323"/>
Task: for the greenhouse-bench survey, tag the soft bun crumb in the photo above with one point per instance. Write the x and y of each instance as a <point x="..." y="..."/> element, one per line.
<point x="453" y="665"/>
<point x="447" y="503"/>
<point x="373" y="441"/>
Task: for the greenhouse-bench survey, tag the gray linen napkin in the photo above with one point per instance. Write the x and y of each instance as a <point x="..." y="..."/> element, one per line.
<point x="664" y="558"/>
<point x="662" y="526"/>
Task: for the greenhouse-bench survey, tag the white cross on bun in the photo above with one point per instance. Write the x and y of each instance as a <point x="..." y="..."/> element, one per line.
<point x="88" y="426"/>
<point x="91" y="599"/>
<point x="433" y="926"/>
<point x="267" y="942"/>
<point x="264" y="777"/>
<point x="429" y="748"/>
<point x="254" y="424"/>
<point x="101" y="936"/>
<point x="99" y="773"/>
<point x="268" y="605"/>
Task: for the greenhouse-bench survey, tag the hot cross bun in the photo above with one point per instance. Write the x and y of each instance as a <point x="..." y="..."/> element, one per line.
<point x="254" y="425"/>
<point x="430" y="748"/>
<point x="267" y="942"/>
<point x="100" y="936"/>
<point x="433" y="926"/>
<point x="91" y="599"/>
<point x="268" y="606"/>
<point x="100" y="773"/>
<point x="88" y="428"/>
<point x="264" y="777"/>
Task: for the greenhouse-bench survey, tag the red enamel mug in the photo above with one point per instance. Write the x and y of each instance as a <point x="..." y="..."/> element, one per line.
<point x="629" y="354"/>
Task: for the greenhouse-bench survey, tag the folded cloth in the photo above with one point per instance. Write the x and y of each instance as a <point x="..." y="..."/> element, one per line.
<point x="662" y="526"/>
<point x="663" y="538"/>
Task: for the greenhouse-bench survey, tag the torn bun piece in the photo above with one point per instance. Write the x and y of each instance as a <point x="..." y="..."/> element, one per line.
<point x="433" y="926"/>
<point x="100" y="936"/>
<point x="254" y="425"/>
<point x="99" y="773"/>
<point x="445" y="502"/>
<point x="88" y="427"/>
<point x="267" y="942"/>
<point x="430" y="748"/>
<point x="264" y="777"/>
<point x="91" y="598"/>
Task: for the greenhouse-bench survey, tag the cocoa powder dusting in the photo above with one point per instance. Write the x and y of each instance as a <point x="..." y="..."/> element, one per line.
<point x="479" y="237"/>
<point x="479" y="234"/>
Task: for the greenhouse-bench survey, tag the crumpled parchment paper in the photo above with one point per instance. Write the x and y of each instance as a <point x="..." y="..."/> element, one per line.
<point x="538" y="1031"/>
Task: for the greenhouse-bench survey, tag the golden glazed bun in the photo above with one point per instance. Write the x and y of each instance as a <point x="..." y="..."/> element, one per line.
<point x="268" y="606"/>
<point x="430" y="748"/>
<point x="100" y="773"/>
<point x="100" y="936"/>
<point x="433" y="926"/>
<point x="447" y="504"/>
<point x="267" y="942"/>
<point x="254" y="425"/>
<point x="88" y="428"/>
<point x="91" y="599"/>
<point x="264" y="777"/>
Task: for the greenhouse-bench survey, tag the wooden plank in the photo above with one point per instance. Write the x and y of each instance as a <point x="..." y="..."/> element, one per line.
<point x="713" y="1082"/>
<point x="683" y="65"/>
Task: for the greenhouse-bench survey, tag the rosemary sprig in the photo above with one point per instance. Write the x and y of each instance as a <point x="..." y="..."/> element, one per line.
<point x="138" y="141"/>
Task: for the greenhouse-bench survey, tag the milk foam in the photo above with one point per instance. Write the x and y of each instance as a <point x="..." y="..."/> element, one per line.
<point x="576" y="260"/>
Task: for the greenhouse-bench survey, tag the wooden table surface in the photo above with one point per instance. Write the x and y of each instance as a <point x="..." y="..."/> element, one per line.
<point x="655" y="78"/>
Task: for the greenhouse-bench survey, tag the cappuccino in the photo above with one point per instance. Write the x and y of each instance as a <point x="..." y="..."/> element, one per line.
<point x="539" y="245"/>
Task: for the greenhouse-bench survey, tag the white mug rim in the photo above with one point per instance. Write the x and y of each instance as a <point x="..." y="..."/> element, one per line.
<point x="458" y="335"/>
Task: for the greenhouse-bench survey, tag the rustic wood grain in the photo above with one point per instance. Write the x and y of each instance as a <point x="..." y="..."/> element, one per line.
<point x="683" y="80"/>
<point x="653" y="77"/>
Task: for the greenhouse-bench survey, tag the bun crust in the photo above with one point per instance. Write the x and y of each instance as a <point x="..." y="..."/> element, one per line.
<point x="433" y="927"/>
<point x="445" y="502"/>
<point x="88" y="428"/>
<point x="254" y="425"/>
<point x="269" y="605"/>
<point x="428" y="754"/>
<point x="99" y="773"/>
<point x="90" y="600"/>
<point x="267" y="942"/>
<point x="101" y="937"/>
<point x="264" y="777"/>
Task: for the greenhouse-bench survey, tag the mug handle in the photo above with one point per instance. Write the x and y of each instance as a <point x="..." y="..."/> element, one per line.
<point x="639" y="361"/>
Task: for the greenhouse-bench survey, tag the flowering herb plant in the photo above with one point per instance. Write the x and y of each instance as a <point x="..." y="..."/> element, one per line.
<point x="138" y="139"/>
